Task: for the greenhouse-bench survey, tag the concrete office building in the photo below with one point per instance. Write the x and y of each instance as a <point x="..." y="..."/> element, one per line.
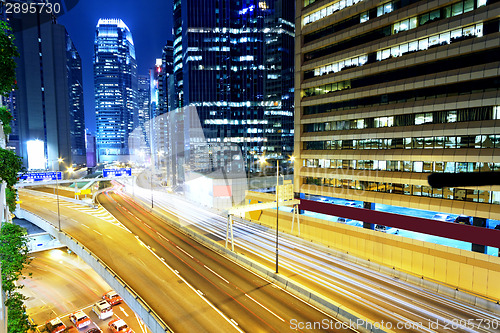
<point x="115" y="84"/>
<point x="388" y="92"/>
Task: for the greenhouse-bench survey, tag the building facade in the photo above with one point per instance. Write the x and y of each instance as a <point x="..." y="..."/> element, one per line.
<point x="48" y="102"/>
<point x="233" y="62"/>
<point x="389" y="92"/>
<point x="76" y="106"/>
<point x="115" y="85"/>
<point x="143" y="113"/>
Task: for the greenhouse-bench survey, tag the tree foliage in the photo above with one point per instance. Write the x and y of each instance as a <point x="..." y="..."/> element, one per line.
<point x="10" y="166"/>
<point x="11" y="197"/>
<point x="8" y="52"/>
<point x="13" y="259"/>
<point x="6" y="117"/>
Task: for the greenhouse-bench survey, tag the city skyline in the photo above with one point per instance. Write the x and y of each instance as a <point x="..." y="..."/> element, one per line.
<point x="254" y="165"/>
<point x="151" y="27"/>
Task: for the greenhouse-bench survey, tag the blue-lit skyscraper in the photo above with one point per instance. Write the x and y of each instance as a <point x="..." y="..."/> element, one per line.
<point x="115" y="84"/>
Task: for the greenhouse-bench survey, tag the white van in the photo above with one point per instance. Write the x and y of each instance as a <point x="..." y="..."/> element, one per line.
<point x="102" y="309"/>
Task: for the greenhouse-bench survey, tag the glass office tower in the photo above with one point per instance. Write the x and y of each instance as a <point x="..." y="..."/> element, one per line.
<point x="233" y="61"/>
<point x="115" y="84"/>
<point x="388" y="92"/>
<point x="76" y="107"/>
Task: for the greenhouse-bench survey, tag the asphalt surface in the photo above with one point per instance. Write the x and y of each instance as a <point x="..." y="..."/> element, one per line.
<point x="191" y="288"/>
<point x="369" y="294"/>
<point x="60" y="284"/>
<point x="255" y="304"/>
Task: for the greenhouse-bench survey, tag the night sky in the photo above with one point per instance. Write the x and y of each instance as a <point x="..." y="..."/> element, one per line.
<point x="149" y="21"/>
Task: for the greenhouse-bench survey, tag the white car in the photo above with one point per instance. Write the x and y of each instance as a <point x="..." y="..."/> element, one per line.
<point x="102" y="309"/>
<point x="387" y="230"/>
<point x="443" y="217"/>
<point x="80" y="319"/>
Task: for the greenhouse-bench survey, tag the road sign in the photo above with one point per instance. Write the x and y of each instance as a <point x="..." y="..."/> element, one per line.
<point x="285" y="192"/>
<point x="39" y="176"/>
<point x="116" y="172"/>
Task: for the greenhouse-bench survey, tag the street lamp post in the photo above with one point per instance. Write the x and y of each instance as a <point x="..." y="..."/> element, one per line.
<point x="262" y="159"/>
<point x="277" y="209"/>
<point x="57" y="190"/>
<point x="151" y="185"/>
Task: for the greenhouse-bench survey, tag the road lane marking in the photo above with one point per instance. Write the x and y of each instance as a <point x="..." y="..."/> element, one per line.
<point x="216" y="273"/>
<point x="124" y="312"/>
<point x="230" y="321"/>
<point x="184" y="252"/>
<point x="274" y="314"/>
<point x="96" y="232"/>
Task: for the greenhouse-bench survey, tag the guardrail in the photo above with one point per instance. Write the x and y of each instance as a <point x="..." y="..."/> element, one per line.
<point x="129" y="295"/>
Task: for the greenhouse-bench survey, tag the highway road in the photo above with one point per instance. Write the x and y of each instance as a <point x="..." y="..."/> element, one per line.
<point x="192" y="289"/>
<point x="368" y="293"/>
<point x="62" y="283"/>
<point x="255" y="304"/>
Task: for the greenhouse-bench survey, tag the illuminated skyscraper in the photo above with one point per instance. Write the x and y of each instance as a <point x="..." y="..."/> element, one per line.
<point x="48" y="102"/>
<point x="115" y="84"/>
<point x="234" y="63"/>
<point x="143" y="104"/>
<point x="77" y="116"/>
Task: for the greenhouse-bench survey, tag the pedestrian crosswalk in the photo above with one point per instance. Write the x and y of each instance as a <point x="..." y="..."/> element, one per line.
<point x="98" y="212"/>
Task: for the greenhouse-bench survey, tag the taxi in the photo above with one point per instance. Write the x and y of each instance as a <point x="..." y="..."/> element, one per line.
<point x="55" y="326"/>
<point x="80" y="319"/>
<point x="119" y="326"/>
<point x="112" y="297"/>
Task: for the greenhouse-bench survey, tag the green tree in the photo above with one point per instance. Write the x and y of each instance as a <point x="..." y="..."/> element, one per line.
<point x="13" y="259"/>
<point x="8" y="52"/>
<point x="6" y="117"/>
<point x="10" y="197"/>
<point x="10" y="166"/>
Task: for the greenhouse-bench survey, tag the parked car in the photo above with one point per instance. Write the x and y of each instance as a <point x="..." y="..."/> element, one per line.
<point x="386" y="229"/>
<point x="55" y="326"/>
<point x="94" y="330"/>
<point x="343" y="220"/>
<point x="355" y="223"/>
<point x="70" y="329"/>
<point x="119" y="326"/>
<point x="112" y="297"/>
<point x="444" y="217"/>
<point x="80" y="319"/>
<point x="352" y="204"/>
<point x="102" y="309"/>
<point x="463" y="219"/>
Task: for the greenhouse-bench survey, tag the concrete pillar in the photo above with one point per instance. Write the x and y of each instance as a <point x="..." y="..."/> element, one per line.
<point x="479" y="222"/>
<point x="371" y="206"/>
